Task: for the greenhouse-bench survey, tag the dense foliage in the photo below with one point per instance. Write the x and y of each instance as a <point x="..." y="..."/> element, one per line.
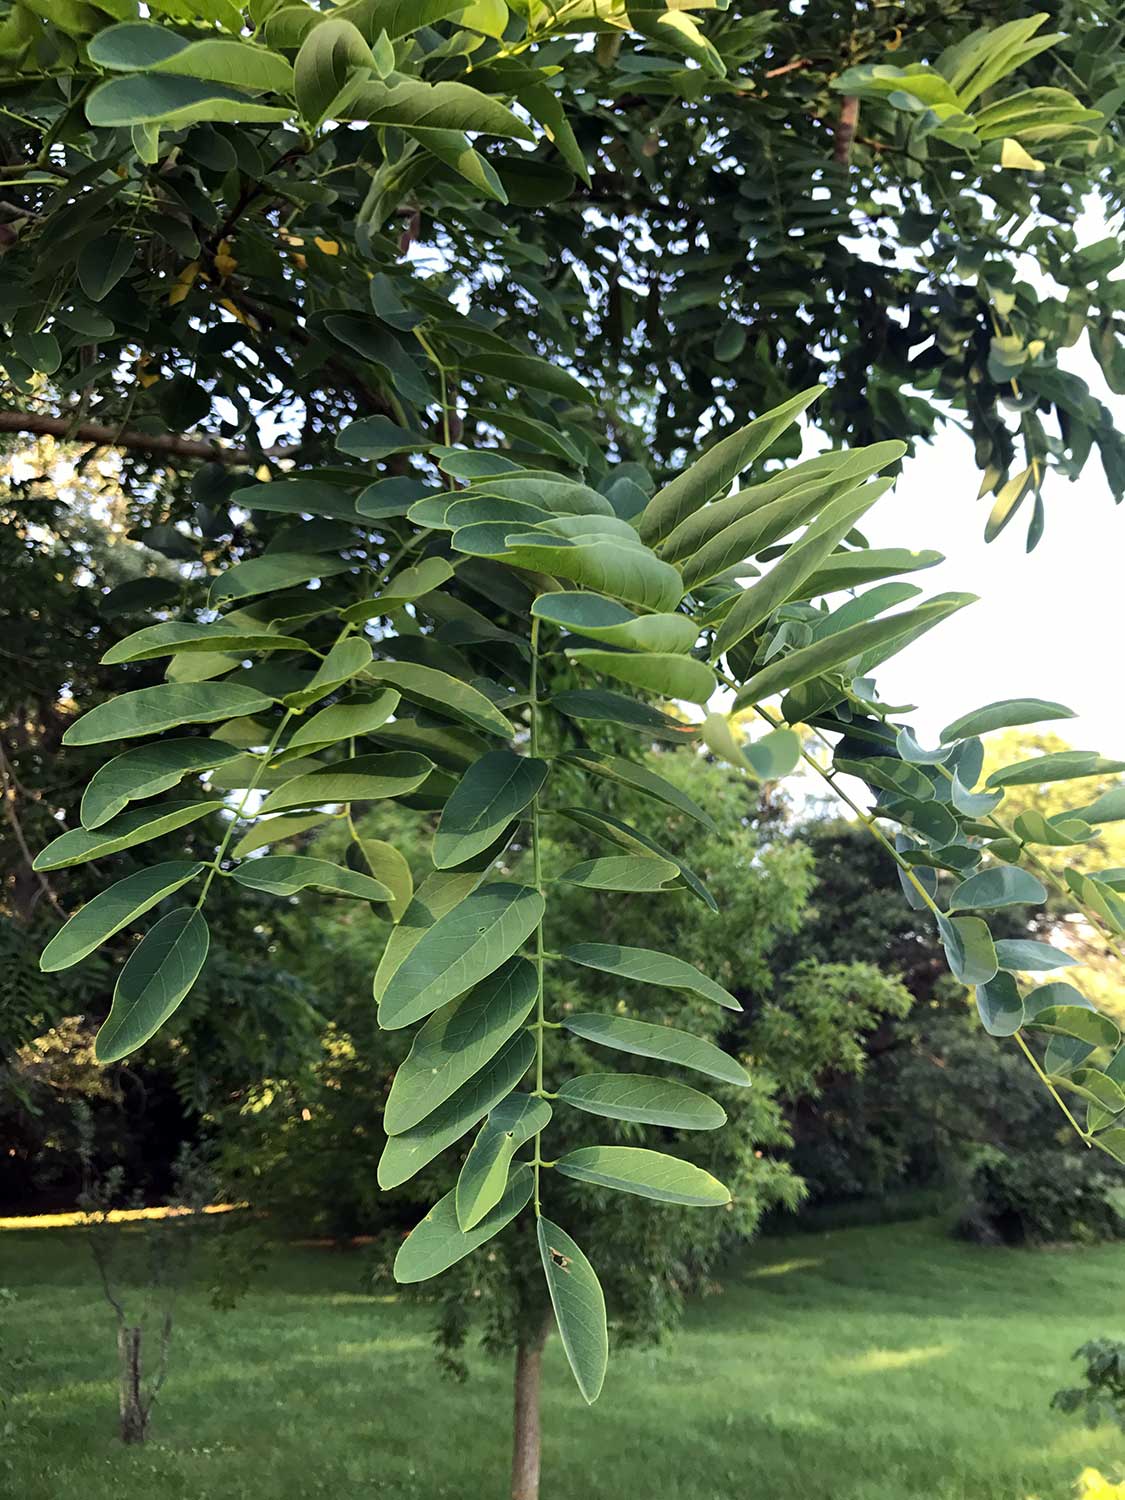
<point x="282" y="224"/>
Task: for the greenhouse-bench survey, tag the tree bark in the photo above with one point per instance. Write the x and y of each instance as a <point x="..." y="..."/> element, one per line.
<point x="525" y="1424"/>
<point x="134" y="1417"/>
<point x="159" y="443"/>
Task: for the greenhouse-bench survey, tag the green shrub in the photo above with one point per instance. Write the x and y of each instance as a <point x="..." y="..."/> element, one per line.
<point x="1041" y="1199"/>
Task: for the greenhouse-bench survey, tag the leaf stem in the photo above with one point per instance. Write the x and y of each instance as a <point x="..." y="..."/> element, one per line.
<point x="1050" y="1087"/>
<point x="537" y="867"/>
<point x="259" y="771"/>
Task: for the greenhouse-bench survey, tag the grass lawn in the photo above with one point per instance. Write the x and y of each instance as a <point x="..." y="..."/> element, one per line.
<point x="863" y="1364"/>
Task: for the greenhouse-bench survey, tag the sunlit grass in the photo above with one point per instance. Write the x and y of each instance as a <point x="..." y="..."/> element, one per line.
<point x="865" y="1364"/>
<point x="115" y="1216"/>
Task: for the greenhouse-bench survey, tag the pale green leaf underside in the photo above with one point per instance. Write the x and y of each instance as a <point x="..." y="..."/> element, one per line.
<point x="484" y="1176"/>
<point x="579" y="1305"/>
<point x="665" y="1043"/>
<point x="647" y="966"/>
<point x="644" y="1099"/>
<point x="648" y="1174"/>
<point x="439" y="1242"/>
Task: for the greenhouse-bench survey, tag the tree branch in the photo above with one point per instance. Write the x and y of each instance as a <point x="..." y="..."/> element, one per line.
<point x="168" y="444"/>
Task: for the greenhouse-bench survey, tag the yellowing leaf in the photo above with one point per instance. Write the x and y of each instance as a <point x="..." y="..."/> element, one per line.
<point x="183" y="284"/>
<point x="1012" y="154"/>
<point x="326" y="247"/>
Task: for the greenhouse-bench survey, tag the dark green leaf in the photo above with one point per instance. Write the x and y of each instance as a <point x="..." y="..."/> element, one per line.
<point x="406" y="1154"/>
<point x="137" y="826"/>
<point x="457" y="1041"/>
<point x="1001" y="886"/>
<point x="627" y="872"/>
<point x="157" y="976"/>
<point x="286" y="874"/>
<point x="110" y="910"/>
<point x="1005" y="714"/>
<point x="1024" y="956"/>
<point x="150" y="710"/>
<point x="146" y="770"/>
<point x="366" y="778"/>
<point x="459" y="950"/>
<point x="1000" y="1005"/>
<point x="492" y="792"/>
<point x="968" y="948"/>
<point x="446" y="695"/>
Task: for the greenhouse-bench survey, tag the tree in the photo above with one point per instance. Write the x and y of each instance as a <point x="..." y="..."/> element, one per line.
<point x="250" y="281"/>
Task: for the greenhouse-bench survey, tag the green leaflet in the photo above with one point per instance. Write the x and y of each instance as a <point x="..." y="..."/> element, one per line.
<point x="848" y="570"/>
<point x="1063" y="765"/>
<point x="559" y="496"/>
<point x="616" y="768"/>
<point x="1004" y="885"/>
<point x="670" y="676"/>
<point x="648" y="1174"/>
<point x="170" y="704"/>
<point x="606" y="620"/>
<point x="1000" y="1005"/>
<point x="627" y="872"/>
<point x="615" y="708"/>
<point x="136" y="46"/>
<point x="340" y="721"/>
<point x="137" y="826"/>
<point x="579" y="1305"/>
<point x="345" y="660"/>
<point x="412" y="104"/>
<point x="439" y="1242"/>
<point x="1079" y="1021"/>
<point x="665" y="1043"/>
<point x="647" y="966"/>
<point x="609" y="565"/>
<point x="406" y="1154"/>
<point x="146" y="770"/>
<point x="272" y="571"/>
<point x="1005" y="714"/>
<point x="633" y="841"/>
<point x="457" y="1042"/>
<point x="1058" y="833"/>
<point x="445" y="695"/>
<point x="459" y="950"/>
<point x="405" y="586"/>
<point x="112" y="909"/>
<point x="785" y="579"/>
<point x="754" y="518"/>
<point x="174" y="637"/>
<point x="484" y="1177"/>
<point x="389" y="867"/>
<point x="331" y="55"/>
<point x="270" y="831"/>
<point x="366" y="778"/>
<point x="834" y="650"/>
<point x="439" y="892"/>
<point x="286" y="874"/>
<point x="163" y="99"/>
<point x="713" y="474"/>
<point x="644" y="1099"/>
<point x="968" y="948"/>
<point x="1024" y="956"/>
<point x="158" y="974"/>
<point x="1108" y="808"/>
<point x="491" y="794"/>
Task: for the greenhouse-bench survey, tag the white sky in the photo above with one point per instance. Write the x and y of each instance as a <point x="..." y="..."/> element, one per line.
<point x="1047" y="625"/>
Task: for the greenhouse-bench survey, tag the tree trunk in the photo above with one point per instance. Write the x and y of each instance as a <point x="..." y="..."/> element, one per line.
<point x="525" y="1424"/>
<point x="134" y="1418"/>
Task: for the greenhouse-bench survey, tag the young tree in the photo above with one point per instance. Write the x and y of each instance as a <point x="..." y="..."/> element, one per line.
<point x="251" y="223"/>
